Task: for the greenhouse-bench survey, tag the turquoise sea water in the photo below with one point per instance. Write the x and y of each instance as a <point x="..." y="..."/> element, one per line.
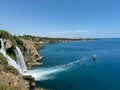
<point x="69" y="66"/>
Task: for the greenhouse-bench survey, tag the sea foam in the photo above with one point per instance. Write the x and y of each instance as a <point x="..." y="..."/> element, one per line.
<point x="41" y="74"/>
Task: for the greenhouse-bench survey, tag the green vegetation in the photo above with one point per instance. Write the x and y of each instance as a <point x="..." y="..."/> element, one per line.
<point x="29" y="78"/>
<point x="11" y="53"/>
<point x="6" y="35"/>
<point x="30" y="37"/>
<point x="27" y="37"/>
<point x="11" y="69"/>
<point x="17" y="39"/>
<point x="3" y="60"/>
<point x="5" y="67"/>
<point x="52" y="40"/>
<point x="56" y="40"/>
<point x="6" y="87"/>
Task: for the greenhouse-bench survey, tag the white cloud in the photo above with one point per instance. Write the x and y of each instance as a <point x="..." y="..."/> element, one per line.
<point x="72" y="33"/>
<point x="66" y="31"/>
<point x="60" y="32"/>
<point x="83" y="31"/>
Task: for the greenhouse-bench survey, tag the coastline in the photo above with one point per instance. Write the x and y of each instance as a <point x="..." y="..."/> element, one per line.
<point x="29" y="46"/>
<point x="61" y="42"/>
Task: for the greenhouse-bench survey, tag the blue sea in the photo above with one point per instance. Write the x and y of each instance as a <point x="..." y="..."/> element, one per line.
<point x="69" y="65"/>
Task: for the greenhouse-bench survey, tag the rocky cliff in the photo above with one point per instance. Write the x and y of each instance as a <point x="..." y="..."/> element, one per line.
<point x="30" y="52"/>
<point x="10" y="78"/>
<point x="28" y="45"/>
<point x="30" y="48"/>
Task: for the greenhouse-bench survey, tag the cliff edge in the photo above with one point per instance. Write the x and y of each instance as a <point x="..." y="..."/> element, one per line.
<point x="29" y="46"/>
<point x="11" y="78"/>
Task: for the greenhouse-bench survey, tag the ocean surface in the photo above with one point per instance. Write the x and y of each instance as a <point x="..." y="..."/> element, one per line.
<point x="69" y="66"/>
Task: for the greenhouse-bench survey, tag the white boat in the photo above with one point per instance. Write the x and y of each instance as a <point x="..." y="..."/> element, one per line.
<point x="94" y="57"/>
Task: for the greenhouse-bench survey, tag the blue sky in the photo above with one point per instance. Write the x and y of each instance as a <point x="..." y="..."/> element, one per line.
<point x="61" y="18"/>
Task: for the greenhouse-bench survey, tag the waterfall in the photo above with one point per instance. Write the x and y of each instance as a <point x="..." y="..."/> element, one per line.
<point x="13" y="63"/>
<point x="20" y="66"/>
<point x="2" y="50"/>
<point x="20" y="59"/>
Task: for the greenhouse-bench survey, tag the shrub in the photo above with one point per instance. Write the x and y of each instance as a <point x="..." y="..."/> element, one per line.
<point x="28" y="78"/>
<point x="11" y="53"/>
<point x="6" y="35"/>
<point x="17" y="38"/>
<point x="11" y="69"/>
<point x="3" y="60"/>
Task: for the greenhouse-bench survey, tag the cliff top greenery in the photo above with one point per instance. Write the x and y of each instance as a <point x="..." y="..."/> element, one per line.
<point x="6" y="35"/>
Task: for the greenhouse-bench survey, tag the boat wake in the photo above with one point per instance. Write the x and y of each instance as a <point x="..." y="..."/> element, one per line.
<point x="49" y="73"/>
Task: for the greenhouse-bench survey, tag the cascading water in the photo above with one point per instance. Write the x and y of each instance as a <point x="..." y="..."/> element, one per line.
<point x="9" y="59"/>
<point x="2" y="50"/>
<point x="39" y="74"/>
<point x="20" y="59"/>
<point x="13" y="63"/>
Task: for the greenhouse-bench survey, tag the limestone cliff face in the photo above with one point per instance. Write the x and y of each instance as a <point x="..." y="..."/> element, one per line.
<point x="30" y="47"/>
<point x="30" y="52"/>
<point x="12" y="80"/>
<point x="8" y="43"/>
<point x="9" y="76"/>
<point x="18" y="82"/>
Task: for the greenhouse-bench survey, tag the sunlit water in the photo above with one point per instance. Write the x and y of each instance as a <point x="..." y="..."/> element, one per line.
<point x="69" y="66"/>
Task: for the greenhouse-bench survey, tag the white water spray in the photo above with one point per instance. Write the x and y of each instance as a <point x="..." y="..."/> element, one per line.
<point x="38" y="74"/>
<point x="9" y="59"/>
<point x="2" y="50"/>
<point x="41" y="74"/>
<point x="20" y="59"/>
<point x="13" y="63"/>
